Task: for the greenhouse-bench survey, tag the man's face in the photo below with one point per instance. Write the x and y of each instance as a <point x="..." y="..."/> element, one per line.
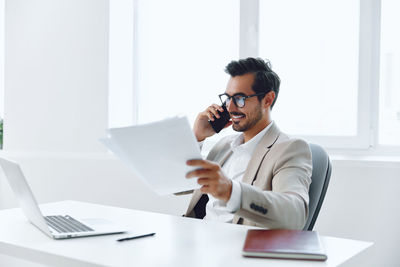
<point x="247" y="117"/>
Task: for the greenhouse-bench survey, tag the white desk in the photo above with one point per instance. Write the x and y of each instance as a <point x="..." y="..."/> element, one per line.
<point x="178" y="241"/>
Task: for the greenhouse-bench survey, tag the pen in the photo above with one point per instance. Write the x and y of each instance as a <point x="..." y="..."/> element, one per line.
<point x="135" y="237"/>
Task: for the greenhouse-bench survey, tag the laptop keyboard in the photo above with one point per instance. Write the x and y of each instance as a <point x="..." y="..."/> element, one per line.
<point x="66" y="224"/>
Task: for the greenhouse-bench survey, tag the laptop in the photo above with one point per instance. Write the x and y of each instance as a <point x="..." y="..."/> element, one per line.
<point x="55" y="226"/>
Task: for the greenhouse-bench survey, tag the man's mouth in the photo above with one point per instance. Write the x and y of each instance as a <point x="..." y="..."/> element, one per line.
<point x="237" y="117"/>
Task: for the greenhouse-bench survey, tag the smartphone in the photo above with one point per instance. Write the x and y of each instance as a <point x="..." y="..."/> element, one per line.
<point x="218" y="124"/>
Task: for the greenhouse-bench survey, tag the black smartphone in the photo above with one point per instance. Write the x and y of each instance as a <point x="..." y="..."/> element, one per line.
<point x="218" y="124"/>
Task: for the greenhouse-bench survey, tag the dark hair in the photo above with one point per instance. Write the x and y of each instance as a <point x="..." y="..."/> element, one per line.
<point x="265" y="80"/>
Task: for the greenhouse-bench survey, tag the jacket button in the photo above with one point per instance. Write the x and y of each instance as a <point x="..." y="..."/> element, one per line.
<point x="265" y="211"/>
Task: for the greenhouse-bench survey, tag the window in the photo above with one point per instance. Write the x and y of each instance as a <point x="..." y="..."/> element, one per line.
<point x="121" y="100"/>
<point x="2" y="12"/>
<point x="316" y="56"/>
<point x="337" y="60"/>
<point x="182" y="48"/>
<point x="389" y="97"/>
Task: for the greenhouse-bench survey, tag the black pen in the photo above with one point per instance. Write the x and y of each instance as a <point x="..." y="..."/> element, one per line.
<point x="134" y="237"/>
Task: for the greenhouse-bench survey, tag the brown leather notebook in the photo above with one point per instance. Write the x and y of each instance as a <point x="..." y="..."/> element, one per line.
<point x="284" y="244"/>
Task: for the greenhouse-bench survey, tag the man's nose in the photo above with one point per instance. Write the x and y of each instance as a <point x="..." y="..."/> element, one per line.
<point x="231" y="106"/>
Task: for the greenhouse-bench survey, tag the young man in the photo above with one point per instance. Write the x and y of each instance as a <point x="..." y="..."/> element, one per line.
<point x="260" y="177"/>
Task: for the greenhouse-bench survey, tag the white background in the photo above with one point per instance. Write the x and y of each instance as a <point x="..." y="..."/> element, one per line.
<point x="56" y="108"/>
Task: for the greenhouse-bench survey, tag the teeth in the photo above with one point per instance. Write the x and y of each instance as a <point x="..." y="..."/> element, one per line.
<point x="237" y="117"/>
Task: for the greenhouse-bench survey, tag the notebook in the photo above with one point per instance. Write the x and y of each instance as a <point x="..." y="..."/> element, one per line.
<point x="284" y="244"/>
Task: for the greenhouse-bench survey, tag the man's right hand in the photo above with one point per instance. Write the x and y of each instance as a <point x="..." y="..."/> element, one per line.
<point x="202" y="128"/>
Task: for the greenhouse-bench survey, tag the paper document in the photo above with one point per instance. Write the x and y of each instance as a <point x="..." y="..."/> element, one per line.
<point x="157" y="153"/>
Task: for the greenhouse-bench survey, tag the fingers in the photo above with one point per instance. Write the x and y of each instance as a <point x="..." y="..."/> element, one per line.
<point x="213" y="112"/>
<point x="207" y="169"/>
<point x="205" y="189"/>
<point x="211" y="178"/>
<point x="208" y="185"/>
<point x="217" y="108"/>
<point x="200" y="173"/>
<point x="204" y="181"/>
<point x="206" y="164"/>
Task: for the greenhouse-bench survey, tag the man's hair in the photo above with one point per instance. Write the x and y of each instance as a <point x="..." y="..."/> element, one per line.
<point x="265" y="80"/>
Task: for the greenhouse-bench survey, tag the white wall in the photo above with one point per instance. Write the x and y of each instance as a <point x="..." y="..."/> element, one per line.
<point x="56" y="75"/>
<point x="56" y="105"/>
<point x="362" y="203"/>
<point x="56" y="109"/>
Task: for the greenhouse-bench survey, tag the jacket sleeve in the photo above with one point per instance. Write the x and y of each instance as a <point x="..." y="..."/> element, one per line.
<point x="286" y="205"/>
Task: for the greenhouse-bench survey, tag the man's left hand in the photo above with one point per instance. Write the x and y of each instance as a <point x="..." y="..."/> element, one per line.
<point x="212" y="179"/>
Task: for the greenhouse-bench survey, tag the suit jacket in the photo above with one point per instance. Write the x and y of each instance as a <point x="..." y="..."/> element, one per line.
<point x="274" y="186"/>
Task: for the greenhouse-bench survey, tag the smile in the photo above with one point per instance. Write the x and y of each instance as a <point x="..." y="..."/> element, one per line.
<point x="237" y="118"/>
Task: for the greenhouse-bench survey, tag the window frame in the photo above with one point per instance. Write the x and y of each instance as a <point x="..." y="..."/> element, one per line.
<point x="368" y="57"/>
<point x="366" y="142"/>
<point x="2" y="55"/>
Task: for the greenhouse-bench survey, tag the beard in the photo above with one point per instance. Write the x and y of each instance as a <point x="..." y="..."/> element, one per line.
<point x="249" y="122"/>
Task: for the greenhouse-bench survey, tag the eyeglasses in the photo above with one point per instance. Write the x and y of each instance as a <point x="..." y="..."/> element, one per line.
<point x="239" y="99"/>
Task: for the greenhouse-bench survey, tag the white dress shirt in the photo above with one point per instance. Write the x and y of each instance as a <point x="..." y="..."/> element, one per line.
<point x="234" y="169"/>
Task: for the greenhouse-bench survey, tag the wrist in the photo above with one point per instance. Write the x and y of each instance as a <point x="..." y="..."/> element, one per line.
<point x="234" y="202"/>
<point x="229" y="191"/>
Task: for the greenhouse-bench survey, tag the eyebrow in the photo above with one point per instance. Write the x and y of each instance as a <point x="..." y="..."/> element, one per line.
<point x="240" y="93"/>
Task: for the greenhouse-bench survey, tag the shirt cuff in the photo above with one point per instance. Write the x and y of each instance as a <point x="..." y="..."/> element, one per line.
<point x="233" y="203"/>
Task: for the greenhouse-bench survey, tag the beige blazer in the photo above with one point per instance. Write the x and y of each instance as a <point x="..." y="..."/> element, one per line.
<point x="275" y="184"/>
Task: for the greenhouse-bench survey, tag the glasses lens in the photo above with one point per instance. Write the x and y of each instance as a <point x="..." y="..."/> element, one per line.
<point x="239" y="100"/>
<point x="224" y="99"/>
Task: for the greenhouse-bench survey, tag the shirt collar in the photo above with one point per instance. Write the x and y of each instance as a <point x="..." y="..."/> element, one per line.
<point x="238" y="145"/>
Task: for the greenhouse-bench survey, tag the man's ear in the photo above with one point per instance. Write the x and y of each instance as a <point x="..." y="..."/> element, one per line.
<point x="269" y="99"/>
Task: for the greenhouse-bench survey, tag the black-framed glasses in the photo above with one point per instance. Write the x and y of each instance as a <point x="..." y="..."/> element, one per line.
<point x="239" y="99"/>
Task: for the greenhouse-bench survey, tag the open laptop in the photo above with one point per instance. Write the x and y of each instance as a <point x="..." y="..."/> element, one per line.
<point x="55" y="226"/>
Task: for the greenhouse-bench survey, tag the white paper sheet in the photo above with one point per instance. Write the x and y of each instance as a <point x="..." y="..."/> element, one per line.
<point x="157" y="153"/>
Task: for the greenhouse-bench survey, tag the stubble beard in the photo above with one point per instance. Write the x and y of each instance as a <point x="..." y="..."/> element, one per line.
<point x="252" y="120"/>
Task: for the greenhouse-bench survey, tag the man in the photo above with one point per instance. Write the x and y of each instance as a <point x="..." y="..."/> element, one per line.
<point x="260" y="177"/>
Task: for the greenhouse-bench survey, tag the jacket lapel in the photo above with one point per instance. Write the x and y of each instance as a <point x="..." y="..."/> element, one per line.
<point x="259" y="154"/>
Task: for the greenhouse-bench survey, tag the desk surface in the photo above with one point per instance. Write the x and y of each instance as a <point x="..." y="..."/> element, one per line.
<point x="178" y="241"/>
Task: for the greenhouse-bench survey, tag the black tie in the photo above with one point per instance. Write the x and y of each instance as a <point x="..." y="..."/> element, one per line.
<point x="200" y="208"/>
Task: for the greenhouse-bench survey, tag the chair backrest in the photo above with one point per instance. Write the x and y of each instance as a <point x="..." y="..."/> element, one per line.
<point x="320" y="176"/>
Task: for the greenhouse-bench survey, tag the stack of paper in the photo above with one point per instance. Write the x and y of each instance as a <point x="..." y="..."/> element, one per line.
<point x="157" y="153"/>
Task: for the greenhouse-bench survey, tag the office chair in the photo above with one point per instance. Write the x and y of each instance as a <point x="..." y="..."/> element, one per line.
<point x="320" y="176"/>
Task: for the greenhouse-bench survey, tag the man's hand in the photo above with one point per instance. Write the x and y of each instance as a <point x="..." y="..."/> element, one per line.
<point x="212" y="179"/>
<point x="202" y="129"/>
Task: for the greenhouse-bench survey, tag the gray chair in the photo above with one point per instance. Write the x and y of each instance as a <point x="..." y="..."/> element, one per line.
<point x="320" y="176"/>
